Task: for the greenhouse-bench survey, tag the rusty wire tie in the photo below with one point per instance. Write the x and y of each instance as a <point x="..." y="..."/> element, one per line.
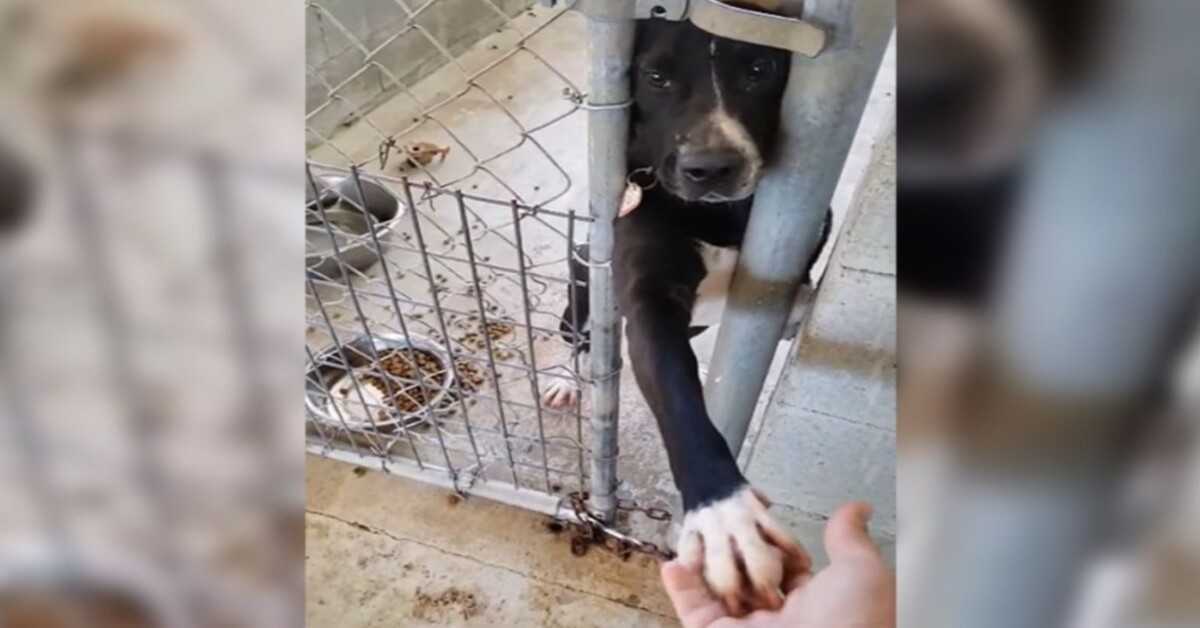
<point x="580" y="100"/>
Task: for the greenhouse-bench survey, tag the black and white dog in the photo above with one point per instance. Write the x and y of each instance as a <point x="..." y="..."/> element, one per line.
<point x="705" y="121"/>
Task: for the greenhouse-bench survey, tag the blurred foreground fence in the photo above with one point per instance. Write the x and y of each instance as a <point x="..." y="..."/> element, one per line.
<point x="150" y="461"/>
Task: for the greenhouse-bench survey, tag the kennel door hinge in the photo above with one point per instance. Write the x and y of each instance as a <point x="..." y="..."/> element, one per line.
<point x="755" y="27"/>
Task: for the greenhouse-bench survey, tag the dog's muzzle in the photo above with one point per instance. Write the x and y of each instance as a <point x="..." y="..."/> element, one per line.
<point x="711" y="175"/>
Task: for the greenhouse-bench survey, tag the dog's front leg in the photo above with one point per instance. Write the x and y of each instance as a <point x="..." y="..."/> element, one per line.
<point x="747" y="557"/>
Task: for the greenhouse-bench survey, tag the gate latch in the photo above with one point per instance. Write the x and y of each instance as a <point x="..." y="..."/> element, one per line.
<point x="755" y="27"/>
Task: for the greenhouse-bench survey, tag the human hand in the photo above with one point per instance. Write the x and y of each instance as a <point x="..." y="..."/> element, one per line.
<point x="856" y="590"/>
<point x="747" y="558"/>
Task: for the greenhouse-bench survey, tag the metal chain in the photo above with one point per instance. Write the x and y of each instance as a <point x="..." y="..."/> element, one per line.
<point x="656" y="514"/>
<point x="591" y="530"/>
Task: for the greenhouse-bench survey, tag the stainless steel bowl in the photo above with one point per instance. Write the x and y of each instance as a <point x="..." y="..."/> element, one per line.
<point x="329" y="367"/>
<point x="344" y="205"/>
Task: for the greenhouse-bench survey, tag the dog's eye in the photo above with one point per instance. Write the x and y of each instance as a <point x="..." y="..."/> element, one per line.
<point x="761" y="70"/>
<point x="657" y="79"/>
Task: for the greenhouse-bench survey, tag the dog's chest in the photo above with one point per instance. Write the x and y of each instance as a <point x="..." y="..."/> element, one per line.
<point x="713" y="290"/>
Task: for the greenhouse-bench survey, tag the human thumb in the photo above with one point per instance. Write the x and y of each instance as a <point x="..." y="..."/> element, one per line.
<point x="846" y="533"/>
<point x="694" y="604"/>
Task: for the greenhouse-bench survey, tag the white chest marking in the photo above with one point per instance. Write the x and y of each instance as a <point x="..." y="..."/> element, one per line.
<point x="713" y="291"/>
<point x="714" y="288"/>
<point x="729" y="130"/>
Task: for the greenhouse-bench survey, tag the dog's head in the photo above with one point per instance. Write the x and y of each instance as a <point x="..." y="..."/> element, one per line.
<point x="706" y="110"/>
<point x="975" y="75"/>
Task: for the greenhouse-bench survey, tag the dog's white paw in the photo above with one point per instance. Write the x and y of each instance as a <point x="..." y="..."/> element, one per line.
<point x="748" y="558"/>
<point x="561" y="394"/>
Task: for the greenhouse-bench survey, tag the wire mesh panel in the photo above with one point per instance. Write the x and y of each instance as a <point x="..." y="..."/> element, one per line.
<point x="443" y="183"/>
<point x="438" y="351"/>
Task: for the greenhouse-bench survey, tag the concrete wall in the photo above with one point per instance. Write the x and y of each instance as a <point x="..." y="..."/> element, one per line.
<point x="828" y="434"/>
<point x="332" y="56"/>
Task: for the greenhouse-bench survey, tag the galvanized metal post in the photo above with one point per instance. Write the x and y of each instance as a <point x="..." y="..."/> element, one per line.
<point x="822" y="106"/>
<point x="610" y="51"/>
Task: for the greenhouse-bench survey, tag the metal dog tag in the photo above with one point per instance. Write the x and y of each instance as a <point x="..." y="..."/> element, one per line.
<point x="631" y="199"/>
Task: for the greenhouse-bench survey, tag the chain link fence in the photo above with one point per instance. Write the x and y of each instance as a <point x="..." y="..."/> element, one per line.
<point x="435" y="323"/>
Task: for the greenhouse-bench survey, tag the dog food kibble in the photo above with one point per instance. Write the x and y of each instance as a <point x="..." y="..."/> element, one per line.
<point x="495" y="331"/>
<point x="406" y="368"/>
<point x="470" y="375"/>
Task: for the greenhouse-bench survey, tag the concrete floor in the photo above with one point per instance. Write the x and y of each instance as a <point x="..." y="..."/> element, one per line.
<point x="480" y="562"/>
<point x="383" y="551"/>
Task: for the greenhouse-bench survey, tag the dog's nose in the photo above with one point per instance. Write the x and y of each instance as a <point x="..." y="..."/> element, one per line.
<point x="709" y="166"/>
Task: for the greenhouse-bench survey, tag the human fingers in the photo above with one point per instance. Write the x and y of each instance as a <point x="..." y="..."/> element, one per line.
<point x="694" y="603"/>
